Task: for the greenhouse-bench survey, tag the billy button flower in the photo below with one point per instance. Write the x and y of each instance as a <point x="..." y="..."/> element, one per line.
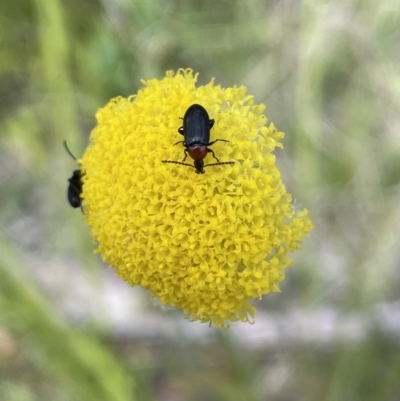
<point x="204" y="243"/>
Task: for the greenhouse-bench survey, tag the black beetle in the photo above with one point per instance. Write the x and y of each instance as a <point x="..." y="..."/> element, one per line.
<point x="75" y="185"/>
<point x="196" y="132"/>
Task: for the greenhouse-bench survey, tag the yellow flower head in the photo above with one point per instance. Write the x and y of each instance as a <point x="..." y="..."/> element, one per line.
<point x="205" y="243"/>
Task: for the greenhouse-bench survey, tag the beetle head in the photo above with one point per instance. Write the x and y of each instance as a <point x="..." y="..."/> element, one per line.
<point x="198" y="164"/>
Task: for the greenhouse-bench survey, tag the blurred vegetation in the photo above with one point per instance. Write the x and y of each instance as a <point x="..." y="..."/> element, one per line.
<point x="329" y="75"/>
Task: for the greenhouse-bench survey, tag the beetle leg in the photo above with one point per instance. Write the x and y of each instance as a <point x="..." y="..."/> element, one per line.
<point x="212" y="121"/>
<point x="180" y="130"/>
<point x="211" y="151"/>
<point x="176" y="143"/>
<point x="186" y="155"/>
<point x="212" y="143"/>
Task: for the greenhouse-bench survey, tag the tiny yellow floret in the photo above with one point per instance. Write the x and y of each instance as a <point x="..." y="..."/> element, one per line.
<point x="204" y="243"/>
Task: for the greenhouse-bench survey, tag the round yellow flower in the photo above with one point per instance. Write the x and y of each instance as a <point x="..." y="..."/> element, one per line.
<point x="205" y="243"/>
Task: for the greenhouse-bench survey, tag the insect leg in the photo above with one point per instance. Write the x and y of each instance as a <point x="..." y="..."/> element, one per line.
<point x="212" y="143"/>
<point x="211" y="151"/>
<point x="186" y="155"/>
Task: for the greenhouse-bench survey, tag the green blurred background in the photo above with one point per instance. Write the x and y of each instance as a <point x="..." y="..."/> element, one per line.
<point x="329" y="73"/>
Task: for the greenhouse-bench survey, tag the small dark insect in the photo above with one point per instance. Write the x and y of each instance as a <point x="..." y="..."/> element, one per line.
<point x="75" y="185"/>
<point x="196" y="133"/>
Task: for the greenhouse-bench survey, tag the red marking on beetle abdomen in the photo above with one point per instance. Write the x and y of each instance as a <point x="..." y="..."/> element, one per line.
<point x="197" y="152"/>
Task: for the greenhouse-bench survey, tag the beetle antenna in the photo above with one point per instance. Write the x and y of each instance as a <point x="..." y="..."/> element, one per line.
<point x="66" y="147"/>
<point x="217" y="164"/>
<point x="174" y="162"/>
